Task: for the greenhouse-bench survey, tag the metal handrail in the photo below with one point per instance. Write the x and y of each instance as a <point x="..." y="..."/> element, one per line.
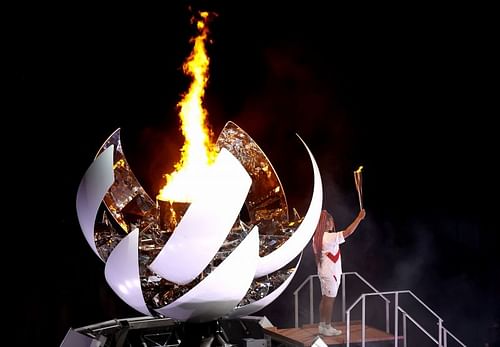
<point x="303" y="283"/>
<point x="423" y="304"/>
<point x="309" y="280"/>
<point x="367" y="283"/>
<point x="296" y="299"/>
<point x="442" y="331"/>
<point x="387" y="301"/>
<point x="407" y="316"/>
<point x="446" y="333"/>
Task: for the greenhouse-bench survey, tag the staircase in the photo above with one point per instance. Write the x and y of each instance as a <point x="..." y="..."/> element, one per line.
<point x="360" y="333"/>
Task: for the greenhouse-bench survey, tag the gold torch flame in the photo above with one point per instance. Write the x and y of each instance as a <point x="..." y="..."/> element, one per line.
<point x="198" y="151"/>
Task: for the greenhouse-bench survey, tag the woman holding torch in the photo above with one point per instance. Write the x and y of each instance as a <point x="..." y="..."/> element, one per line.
<point x="326" y="247"/>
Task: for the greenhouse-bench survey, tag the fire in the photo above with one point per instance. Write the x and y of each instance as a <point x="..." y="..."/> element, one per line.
<point x="198" y="151"/>
<point x="358" y="171"/>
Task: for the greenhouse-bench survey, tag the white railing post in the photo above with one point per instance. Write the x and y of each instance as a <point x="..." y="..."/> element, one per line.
<point x="440" y="332"/>
<point x="343" y="297"/>
<point x="404" y="329"/>
<point x="396" y="303"/>
<point x="311" y="301"/>
<point x="363" y="321"/>
<point x="387" y="317"/>
<point x="348" y="327"/>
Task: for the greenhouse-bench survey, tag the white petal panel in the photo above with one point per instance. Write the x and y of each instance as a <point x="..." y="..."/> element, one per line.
<point x="122" y="272"/>
<point x="223" y="289"/>
<point x="296" y="243"/>
<point x="93" y="187"/>
<point x="260" y="304"/>
<point x="206" y="223"/>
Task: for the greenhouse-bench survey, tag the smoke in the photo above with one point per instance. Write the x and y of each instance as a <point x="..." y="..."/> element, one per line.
<point x="414" y="258"/>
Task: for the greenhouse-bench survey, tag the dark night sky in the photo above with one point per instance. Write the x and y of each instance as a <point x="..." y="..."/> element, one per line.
<point x="406" y="92"/>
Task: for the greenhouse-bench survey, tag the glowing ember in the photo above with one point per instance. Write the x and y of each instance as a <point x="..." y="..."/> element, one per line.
<point x="198" y="152"/>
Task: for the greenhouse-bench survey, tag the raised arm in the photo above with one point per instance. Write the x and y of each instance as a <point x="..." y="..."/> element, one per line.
<point x="352" y="227"/>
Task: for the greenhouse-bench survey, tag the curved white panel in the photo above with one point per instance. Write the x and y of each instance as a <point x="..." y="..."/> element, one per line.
<point x="260" y="304"/>
<point x="122" y="272"/>
<point x="206" y="223"/>
<point x="296" y="243"/>
<point x="223" y="289"/>
<point x="93" y="187"/>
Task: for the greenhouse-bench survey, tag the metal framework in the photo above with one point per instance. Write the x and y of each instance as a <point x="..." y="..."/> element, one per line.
<point x="443" y="334"/>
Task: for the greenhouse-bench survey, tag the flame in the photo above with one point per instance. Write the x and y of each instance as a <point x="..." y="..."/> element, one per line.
<point x="198" y="151"/>
<point x="358" y="171"/>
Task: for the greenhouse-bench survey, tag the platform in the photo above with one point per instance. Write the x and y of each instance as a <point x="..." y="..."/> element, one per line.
<point x="305" y="335"/>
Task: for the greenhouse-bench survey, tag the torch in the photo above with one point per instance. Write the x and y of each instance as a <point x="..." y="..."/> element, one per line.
<point x="358" y="180"/>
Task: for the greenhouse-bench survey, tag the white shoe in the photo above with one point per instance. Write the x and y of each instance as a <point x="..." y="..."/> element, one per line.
<point x="328" y="330"/>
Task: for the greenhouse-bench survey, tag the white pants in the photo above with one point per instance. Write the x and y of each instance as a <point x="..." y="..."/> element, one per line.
<point x="330" y="284"/>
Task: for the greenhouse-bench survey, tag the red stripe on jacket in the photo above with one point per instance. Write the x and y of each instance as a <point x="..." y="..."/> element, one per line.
<point x="333" y="257"/>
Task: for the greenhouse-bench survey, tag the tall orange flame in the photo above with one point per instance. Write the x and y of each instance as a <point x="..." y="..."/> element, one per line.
<point x="198" y="152"/>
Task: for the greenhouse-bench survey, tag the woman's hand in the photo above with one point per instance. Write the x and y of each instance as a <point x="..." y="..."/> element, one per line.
<point x="362" y="214"/>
